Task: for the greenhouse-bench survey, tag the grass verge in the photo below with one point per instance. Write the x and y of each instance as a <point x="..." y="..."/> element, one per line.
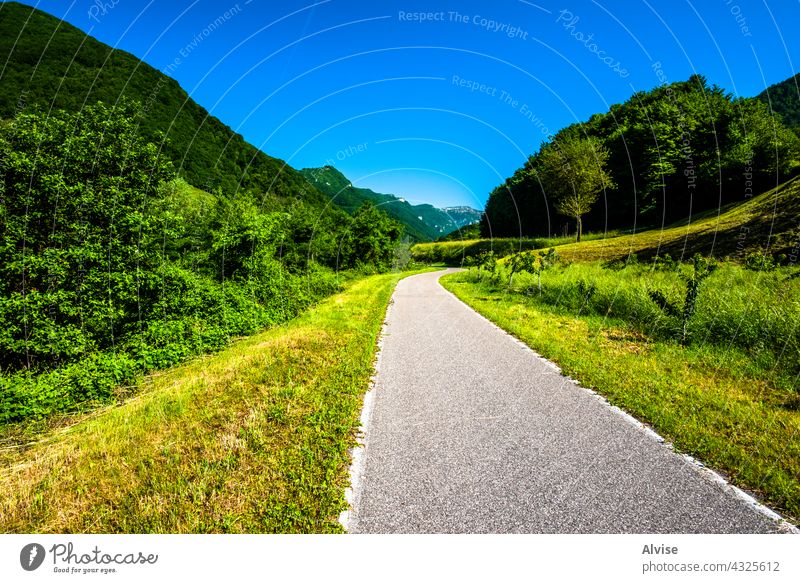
<point x="253" y="439"/>
<point x="713" y="402"/>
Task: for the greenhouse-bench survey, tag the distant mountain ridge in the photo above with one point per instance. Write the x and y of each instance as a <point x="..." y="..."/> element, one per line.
<point x="423" y="222"/>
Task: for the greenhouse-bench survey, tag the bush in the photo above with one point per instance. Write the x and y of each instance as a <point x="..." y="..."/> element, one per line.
<point x="758" y="261"/>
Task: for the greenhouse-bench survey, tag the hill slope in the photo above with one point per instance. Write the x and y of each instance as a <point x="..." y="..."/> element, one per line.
<point x="784" y="98"/>
<point x="48" y="63"/>
<point x="767" y="223"/>
<point x="423" y="222"/>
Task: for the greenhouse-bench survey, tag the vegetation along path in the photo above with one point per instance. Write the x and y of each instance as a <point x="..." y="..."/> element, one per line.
<point x="470" y="431"/>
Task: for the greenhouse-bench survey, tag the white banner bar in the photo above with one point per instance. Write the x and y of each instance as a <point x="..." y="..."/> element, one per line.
<point x="154" y="558"/>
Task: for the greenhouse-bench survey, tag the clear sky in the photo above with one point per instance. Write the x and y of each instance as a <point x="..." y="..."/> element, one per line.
<point x="435" y="101"/>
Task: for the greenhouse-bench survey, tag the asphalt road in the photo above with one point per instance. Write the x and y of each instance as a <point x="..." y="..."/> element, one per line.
<point x="471" y="432"/>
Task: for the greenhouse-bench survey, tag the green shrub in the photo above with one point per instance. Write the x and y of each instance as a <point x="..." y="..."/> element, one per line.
<point x="758" y="261"/>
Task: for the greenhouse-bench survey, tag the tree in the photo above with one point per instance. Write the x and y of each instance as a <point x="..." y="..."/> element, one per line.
<point x="572" y="170"/>
<point x="371" y="239"/>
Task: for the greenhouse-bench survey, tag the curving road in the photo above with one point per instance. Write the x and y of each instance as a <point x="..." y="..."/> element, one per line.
<point x="470" y="431"/>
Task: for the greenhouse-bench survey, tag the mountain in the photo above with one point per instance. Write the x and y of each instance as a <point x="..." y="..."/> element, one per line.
<point x="423" y="222"/>
<point x="784" y="98"/>
<point x="49" y="63"/>
<point x="462" y="215"/>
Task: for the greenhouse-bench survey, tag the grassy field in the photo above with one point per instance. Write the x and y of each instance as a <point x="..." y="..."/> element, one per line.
<point x="253" y="439"/>
<point x="728" y="394"/>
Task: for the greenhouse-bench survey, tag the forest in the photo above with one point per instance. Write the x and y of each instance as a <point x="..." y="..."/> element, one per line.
<point x="663" y="155"/>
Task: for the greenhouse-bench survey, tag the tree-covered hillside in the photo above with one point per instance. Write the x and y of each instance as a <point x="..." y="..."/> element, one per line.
<point x="668" y="153"/>
<point x="784" y="98"/>
<point x="51" y="64"/>
<point x="423" y="222"/>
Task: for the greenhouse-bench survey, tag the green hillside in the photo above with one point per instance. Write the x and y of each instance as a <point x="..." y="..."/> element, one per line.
<point x="784" y="98"/>
<point x="667" y="154"/>
<point x="51" y="64"/>
<point x="423" y="222"/>
<point x="767" y="223"/>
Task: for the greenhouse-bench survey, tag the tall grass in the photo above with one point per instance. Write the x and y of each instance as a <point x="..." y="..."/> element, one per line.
<point x="755" y="311"/>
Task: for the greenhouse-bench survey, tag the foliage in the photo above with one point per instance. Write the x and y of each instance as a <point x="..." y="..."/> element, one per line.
<point x="525" y="261"/>
<point x="572" y="171"/>
<point x="531" y="262"/>
<point x="676" y="150"/>
<point x="701" y="268"/>
<point x="759" y="261"/>
<point x="370" y="240"/>
<point x="665" y="262"/>
<point x="110" y="267"/>
<point x="79" y="238"/>
<point x="783" y="99"/>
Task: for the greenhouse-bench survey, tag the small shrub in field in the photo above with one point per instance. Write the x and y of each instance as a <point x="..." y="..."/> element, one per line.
<point x="758" y="261"/>
<point x="701" y="268"/>
<point x="665" y="263"/>
<point x="533" y="263"/>
<point x="663" y="302"/>
<point x="525" y="261"/>
<point x="487" y="262"/>
<point x="546" y="261"/>
<point x="586" y="289"/>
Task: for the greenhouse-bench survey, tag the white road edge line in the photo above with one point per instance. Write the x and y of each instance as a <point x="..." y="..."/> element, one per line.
<point x="709" y="474"/>
<point x="358" y="453"/>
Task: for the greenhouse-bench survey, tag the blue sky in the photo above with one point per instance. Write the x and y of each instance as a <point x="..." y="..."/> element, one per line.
<point x="435" y="101"/>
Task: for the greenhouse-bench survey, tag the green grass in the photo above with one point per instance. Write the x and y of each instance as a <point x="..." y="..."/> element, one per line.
<point x="253" y="439"/>
<point x="455" y="252"/>
<point x="731" y="402"/>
